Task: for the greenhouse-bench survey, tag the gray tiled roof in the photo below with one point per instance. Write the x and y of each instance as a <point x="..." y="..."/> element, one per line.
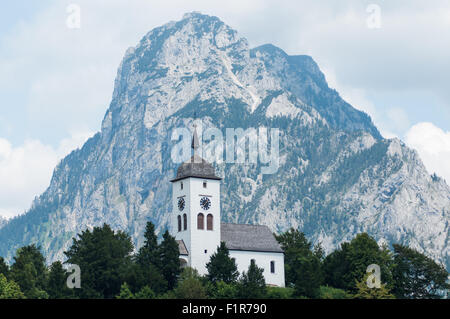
<point x="196" y="167"/>
<point x="249" y="237"/>
<point x="182" y="248"/>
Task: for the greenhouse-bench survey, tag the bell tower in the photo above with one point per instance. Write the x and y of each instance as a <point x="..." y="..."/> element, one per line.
<point x="196" y="209"/>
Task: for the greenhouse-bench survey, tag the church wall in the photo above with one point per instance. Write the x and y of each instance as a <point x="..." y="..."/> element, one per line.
<point x="204" y="240"/>
<point x="262" y="260"/>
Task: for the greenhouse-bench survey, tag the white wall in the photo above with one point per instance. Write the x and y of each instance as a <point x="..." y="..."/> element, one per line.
<point x="197" y="241"/>
<point x="262" y="260"/>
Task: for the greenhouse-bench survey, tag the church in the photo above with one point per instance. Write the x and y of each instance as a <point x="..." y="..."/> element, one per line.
<point x="197" y="226"/>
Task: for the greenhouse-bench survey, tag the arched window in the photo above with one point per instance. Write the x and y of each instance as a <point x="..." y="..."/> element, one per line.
<point x="185" y="221"/>
<point x="272" y="267"/>
<point x="209" y="222"/>
<point x="179" y="223"/>
<point x="200" y="221"/>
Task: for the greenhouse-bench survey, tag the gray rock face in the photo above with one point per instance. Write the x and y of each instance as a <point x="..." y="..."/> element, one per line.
<point x="337" y="175"/>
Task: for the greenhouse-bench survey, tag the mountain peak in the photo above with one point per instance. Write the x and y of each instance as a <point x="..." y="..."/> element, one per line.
<point x="337" y="175"/>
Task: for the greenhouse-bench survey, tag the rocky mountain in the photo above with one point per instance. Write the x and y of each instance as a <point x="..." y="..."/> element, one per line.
<point x="337" y="176"/>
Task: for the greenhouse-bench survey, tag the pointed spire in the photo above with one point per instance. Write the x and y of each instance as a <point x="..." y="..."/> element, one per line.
<point x="195" y="143"/>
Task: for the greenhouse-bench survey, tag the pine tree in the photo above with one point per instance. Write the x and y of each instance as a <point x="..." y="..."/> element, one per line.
<point x="148" y="253"/>
<point x="30" y="272"/>
<point x="221" y="267"/>
<point x="57" y="282"/>
<point x="170" y="260"/>
<point x="364" y="292"/>
<point x="252" y="284"/>
<point x="125" y="292"/>
<point x="146" y="271"/>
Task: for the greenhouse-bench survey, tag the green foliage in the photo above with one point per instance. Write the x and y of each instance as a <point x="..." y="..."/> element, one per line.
<point x="170" y="260"/>
<point x="145" y="293"/>
<point x="146" y="270"/>
<point x="103" y="257"/>
<point x="221" y="267"/>
<point x="303" y="267"/>
<point x="280" y="292"/>
<point x="252" y="284"/>
<point x="9" y="289"/>
<point x="139" y="276"/>
<point x="190" y="285"/>
<point x="57" y="282"/>
<point x="327" y="292"/>
<point x="148" y="253"/>
<point x="364" y="292"/>
<point x="223" y="290"/>
<point x="109" y="271"/>
<point x="347" y="265"/>
<point x="4" y="268"/>
<point x="417" y="276"/>
<point x="29" y="272"/>
<point x="125" y="292"/>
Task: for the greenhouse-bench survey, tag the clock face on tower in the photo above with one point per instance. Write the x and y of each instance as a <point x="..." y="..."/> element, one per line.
<point x="181" y="203"/>
<point x="205" y="203"/>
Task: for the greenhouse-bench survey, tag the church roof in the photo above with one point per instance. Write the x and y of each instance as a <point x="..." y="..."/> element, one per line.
<point x="182" y="247"/>
<point x="249" y="237"/>
<point x="195" y="166"/>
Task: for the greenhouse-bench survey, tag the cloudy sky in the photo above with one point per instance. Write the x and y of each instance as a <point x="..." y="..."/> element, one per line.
<point x="388" y="58"/>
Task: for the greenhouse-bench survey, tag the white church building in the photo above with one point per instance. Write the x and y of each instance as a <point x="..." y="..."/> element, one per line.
<point x="197" y="226"/>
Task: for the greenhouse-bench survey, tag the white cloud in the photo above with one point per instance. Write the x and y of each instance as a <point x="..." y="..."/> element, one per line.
<point x="433" y="145"/>
<point x="26" y="170"/>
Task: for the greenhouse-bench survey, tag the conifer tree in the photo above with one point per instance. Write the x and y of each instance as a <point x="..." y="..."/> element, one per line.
<point x="30" y="272"/>
<point x="170" y="260"/>
<point x="252" y="284"/>
<point x="57" y="282"/>
<point x="364" y="292"/>
<point x="125" y="292"/>
<point x="221" y="267"/>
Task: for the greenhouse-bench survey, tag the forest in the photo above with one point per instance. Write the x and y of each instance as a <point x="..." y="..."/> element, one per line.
<point x="110" y="268"/>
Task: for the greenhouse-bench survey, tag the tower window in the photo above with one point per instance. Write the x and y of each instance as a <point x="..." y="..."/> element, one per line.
<point x="181" y="185"/>
<point x="179" y="223"/>
<point x="209" y="222"/>
<point x="200" y="221"/>
<point x="272" y="267"/>
<point x="185" y="221"/>
<point x="204" y="184"/>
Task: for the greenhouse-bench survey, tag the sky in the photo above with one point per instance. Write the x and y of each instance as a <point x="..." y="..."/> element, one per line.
<point x="387" y="58"/>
